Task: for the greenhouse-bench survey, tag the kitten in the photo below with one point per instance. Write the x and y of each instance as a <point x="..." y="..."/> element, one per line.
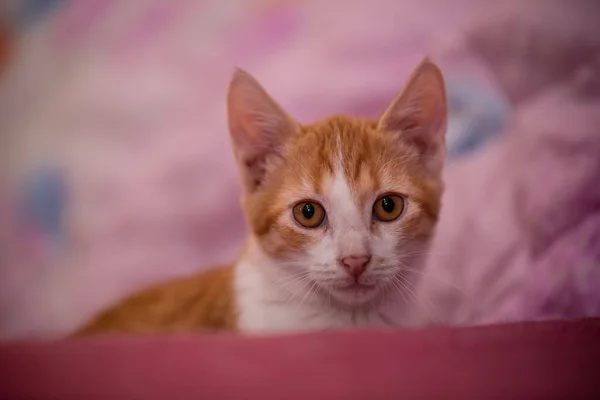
<point x="341" y="214"/>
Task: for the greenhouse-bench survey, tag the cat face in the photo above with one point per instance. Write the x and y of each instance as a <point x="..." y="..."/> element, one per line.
<point x="342" y="209"/>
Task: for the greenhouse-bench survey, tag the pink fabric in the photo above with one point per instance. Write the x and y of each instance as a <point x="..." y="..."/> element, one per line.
<point x="128" y="100"/>
<point x="540" y="44"/>
<point x="519" y="237"/>
<point x="525" y="361"/>
<point x="136" y="119"/>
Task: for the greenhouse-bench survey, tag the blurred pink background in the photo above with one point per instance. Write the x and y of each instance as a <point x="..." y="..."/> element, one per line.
<point x="116" y="169"/>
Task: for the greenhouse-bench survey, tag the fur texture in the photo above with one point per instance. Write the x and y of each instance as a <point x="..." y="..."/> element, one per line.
<point x="292" y="277"/>
<point x="204" y="301"/>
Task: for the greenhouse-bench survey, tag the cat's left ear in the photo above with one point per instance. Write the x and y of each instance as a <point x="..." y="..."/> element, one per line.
<point x="259" y="129"/>
<point x="419" y="115"/>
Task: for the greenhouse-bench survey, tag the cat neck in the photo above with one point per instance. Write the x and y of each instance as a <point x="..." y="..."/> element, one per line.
<point x="264" y="306"/>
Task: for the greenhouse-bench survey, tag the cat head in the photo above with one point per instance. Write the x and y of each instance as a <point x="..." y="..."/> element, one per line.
<point x="344" y="206"/>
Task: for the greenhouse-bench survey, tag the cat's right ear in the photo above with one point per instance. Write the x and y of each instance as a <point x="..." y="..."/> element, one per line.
<point x="258" y="126"/>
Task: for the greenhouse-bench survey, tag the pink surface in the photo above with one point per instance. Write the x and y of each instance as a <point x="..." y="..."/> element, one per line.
<point x="136" y="120"/>
<point x="525" y="361"/>
<point x="519" y="237"/>
<point x="128" y="100"/>
<point x="529" y="245"/>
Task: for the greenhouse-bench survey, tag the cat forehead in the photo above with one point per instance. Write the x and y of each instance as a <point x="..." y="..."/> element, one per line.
<point x="350" y="150"/>
<point x="336" y="139"/>
<point x="343" y="163"/>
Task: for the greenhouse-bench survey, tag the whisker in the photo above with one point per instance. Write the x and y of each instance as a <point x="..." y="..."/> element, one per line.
<point x="290" y="263"/>
<point x="399" y="290"/>
<point x="307" y="293"/>
<point x="427" y="253"/>
<point x="306" y="282"/>
<point x="296" y="280"/>
<point x="405" y="283"/>
<point x="287" y="277"/>
<point x="432" y="275"/>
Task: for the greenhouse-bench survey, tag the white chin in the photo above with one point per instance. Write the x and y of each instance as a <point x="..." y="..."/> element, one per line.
<point x="355" y="295"/>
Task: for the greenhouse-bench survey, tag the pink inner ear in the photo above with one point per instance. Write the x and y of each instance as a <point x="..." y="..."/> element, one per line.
<point x="421" y="106"/>
<point x="250" y="131"/>
<point x="258" y="127"/>
<point x="254" y="117"/>
<point x="419" y="114"/>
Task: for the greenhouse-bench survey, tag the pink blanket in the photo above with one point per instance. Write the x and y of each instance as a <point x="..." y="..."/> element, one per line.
<point x="523" y="361"/>
<point x="117" y="110"/>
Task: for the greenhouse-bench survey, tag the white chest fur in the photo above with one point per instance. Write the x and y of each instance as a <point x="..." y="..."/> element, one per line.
<point x="263" y="308"/>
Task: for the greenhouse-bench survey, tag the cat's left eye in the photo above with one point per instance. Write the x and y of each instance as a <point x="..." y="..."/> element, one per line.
<point x="388" y="208"/>
<point x="309" y="214"/>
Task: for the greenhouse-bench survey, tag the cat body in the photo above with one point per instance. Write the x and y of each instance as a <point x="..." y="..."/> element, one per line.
<point x="341" y="213"/>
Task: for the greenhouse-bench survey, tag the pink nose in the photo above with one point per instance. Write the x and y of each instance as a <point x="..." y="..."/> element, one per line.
<point x="356" y="265"/>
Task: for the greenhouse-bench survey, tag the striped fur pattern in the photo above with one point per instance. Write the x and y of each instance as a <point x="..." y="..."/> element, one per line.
<point x="341" y="213"/>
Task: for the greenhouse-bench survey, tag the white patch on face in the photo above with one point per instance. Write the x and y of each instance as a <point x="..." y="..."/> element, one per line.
<point x="347" y="234"/>
<point x="350" y="225"/>
<point x="317" y="275"/>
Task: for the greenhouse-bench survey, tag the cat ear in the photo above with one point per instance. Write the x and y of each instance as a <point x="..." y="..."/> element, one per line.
<point x="419" y="114"/>
<point x="258" y="126"/>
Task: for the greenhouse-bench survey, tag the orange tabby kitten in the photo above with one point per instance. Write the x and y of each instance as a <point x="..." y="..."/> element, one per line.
<point x="341" y="213"/>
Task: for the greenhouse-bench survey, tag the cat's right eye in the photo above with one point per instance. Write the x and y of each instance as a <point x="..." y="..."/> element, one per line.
<point x="309" y="214"/>
<point x="388" y="208"/>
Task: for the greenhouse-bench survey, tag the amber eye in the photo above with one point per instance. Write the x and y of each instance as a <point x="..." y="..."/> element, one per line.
<point x="389" y="207"/>
<point x="309" y="214"/>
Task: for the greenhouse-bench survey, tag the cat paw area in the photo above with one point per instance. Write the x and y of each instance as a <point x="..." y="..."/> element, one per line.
<point x="315" y="199"/>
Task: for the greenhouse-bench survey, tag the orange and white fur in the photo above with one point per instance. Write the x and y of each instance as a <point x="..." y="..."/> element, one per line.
<point x="341" y="213"/>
